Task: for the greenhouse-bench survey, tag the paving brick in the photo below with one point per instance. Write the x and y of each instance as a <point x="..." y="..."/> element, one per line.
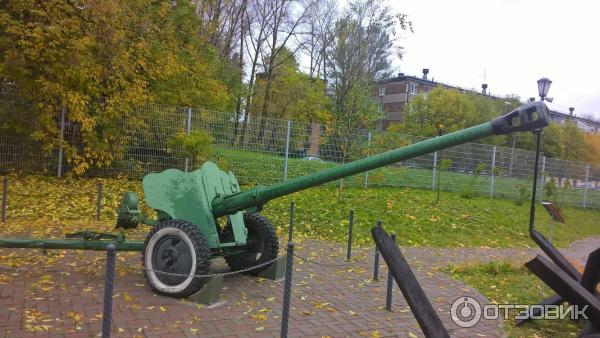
<point x="355" y="304"/>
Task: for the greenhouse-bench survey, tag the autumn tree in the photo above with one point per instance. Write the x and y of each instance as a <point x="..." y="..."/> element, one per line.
<point x="441" y="111"/>
<point x="254" y="24"/>
<point x="574" y="142"/>
<point x="559" y="140"/>
<point x="320" y="20"/>
<point x="363" y="44"/>
<point x="287" y="18"/>
<point x="553" y="141"/>
<point x="100" y="61"/>
<point x="294" y="95"/>
<point x="592" y="148"/>
<point x="222" y="24"/>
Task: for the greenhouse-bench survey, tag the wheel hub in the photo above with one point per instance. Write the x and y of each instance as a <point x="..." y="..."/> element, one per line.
<point x="172" y="255"/>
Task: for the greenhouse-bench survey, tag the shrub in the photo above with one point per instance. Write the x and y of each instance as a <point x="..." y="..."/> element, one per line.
<point x="444" y="165"/>
<point x="467" y="190"/>
<point x="197" y="146"/>
<point x="524" y="194"/>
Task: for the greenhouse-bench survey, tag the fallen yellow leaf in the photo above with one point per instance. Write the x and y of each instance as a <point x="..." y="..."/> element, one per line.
<point x="259" y="317"/>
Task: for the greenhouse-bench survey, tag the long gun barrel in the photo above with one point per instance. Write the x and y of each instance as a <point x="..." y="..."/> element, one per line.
<point x="187" y="233"/>
<point x="529" y="117"/>
<point x="200" y="197"/>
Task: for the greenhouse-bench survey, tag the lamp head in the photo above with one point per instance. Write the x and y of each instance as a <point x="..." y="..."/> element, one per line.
<point x="543" y="86"/>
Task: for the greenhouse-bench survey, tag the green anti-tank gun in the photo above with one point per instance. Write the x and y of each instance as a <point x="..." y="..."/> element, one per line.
<point x="204" y="213"/>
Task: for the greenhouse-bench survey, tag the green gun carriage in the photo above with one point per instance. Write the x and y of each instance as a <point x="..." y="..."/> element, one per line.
<point x="205" y="214"/>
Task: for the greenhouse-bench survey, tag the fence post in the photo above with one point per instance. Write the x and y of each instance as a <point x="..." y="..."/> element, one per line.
<point x="512" y="155"/>
<point x="390" y="284"/>
<point x="287" y="150"/>
<point x="368" y="155"/>
<point x="287" y="290"/>
<point x="108" y="289"/>
<point x="492" y="172"/>
<point x="188" y="131"/>
<point x="4" y="198"/>
<point x="350" y="224"/>
<point x="543" y="177"/>
<point x="585" y="190"/>
<point x="99" y="205"/>
<point x="61" y="140"/>
<point x="434" y="171"/>
<point x="376" y="260"/>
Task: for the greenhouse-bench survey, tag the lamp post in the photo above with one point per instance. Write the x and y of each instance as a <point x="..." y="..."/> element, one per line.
<point x="543" y="87"/>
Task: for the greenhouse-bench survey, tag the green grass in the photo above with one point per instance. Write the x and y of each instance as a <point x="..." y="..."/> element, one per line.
<point x="453" y="222"/>
<point x="321" y="213"/>
<point x="505" y="283"/>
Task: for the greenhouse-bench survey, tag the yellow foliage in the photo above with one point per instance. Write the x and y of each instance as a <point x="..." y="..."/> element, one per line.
<point x="592" y="145"/>
<point x="99" y="63"/>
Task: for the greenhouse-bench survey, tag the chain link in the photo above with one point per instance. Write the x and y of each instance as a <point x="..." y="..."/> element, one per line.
<point x="14" y="269"/>
<point x="214" y="274"/>
<point x="229" y="273"/>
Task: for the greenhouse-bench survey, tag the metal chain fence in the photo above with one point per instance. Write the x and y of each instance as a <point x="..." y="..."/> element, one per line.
<point x="265" y="150"/>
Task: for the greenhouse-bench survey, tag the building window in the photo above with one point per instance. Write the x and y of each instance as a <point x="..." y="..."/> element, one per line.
<point x="412" y="89"/>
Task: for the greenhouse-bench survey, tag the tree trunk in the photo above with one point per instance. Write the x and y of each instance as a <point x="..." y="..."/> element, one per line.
<point x="265" y="107"/>
<point x="249" y="97"/>
<point x="238" y="106"/>
<point x="315" y="129"/>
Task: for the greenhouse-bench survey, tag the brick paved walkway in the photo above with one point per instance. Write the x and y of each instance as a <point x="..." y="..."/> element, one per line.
<point x="62" y="293"/>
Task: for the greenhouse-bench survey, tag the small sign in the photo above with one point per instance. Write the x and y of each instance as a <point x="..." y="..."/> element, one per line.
<point x="554" y="212"/>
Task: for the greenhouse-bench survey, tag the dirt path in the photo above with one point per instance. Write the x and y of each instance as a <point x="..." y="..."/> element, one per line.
<point x="579" y="250"/>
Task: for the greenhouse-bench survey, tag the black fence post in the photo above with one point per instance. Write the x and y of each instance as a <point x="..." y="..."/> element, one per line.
<point x="108" y="289"/>
<point x="287" y="290"/>
<point x="291" y="228"/>
<point x="4" y="198"/>
<point x="350" y="224"/>
<point x="376" y="260"/>
<point x="99" y="205"/>
<point x="390" y="284"/>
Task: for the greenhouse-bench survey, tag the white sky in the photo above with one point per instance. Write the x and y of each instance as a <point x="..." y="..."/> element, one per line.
<point x="516" y="42"/>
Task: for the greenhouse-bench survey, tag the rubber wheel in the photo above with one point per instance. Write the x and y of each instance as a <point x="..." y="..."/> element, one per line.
<point x="262" y="245"/>
<point x="178" y="247"/>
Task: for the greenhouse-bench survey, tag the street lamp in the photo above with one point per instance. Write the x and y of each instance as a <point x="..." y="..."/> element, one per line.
<point x="543" y="87"/>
